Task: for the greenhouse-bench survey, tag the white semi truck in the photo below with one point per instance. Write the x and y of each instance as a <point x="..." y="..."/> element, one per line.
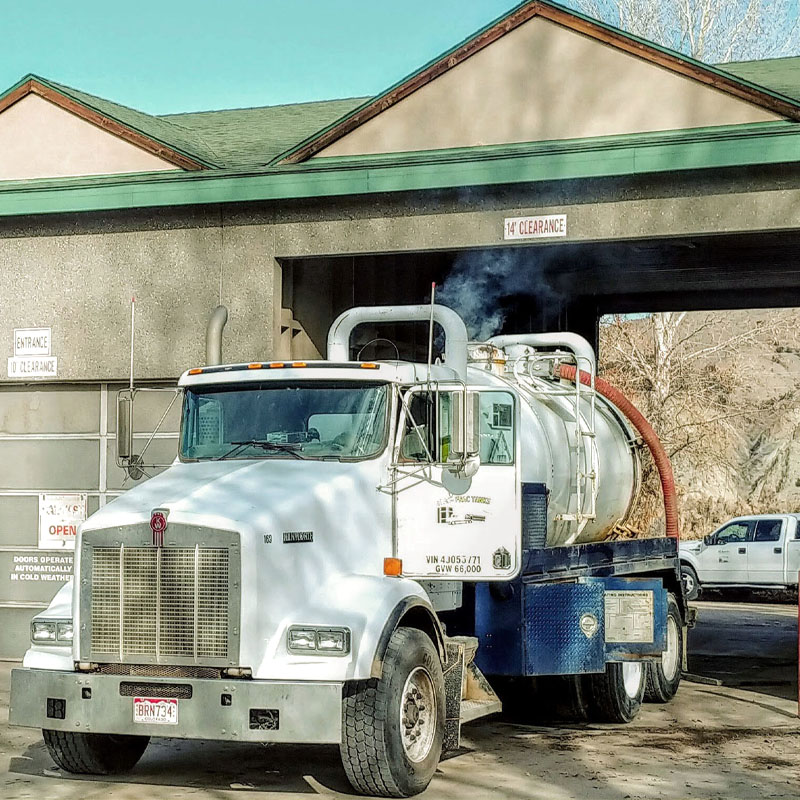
<point x="355" y="553"/>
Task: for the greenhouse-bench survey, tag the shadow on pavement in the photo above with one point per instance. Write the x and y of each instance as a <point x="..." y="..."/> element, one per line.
<point x="304" y="769"/>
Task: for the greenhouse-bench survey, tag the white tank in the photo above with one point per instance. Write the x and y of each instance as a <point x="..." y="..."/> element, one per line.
<point x="592" y="476"/>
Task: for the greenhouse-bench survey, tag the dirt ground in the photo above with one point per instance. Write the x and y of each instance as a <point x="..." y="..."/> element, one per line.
<point x="736" y="740"/>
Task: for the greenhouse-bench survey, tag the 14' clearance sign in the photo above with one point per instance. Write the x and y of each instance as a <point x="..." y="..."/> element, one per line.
<point x="546" y="227"/>
<point x="59" y="517"/>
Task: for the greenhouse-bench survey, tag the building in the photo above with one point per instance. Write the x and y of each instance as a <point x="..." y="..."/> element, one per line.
<point x="547" y="170"/>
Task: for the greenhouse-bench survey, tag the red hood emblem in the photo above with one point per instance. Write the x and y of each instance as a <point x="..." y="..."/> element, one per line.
<point x="158" y="524"/>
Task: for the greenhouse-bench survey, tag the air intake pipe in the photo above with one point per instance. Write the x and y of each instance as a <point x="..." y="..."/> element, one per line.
<point x="455" y="331"/>
<point x="584" y="352"/>
<point x="219" y="316"/>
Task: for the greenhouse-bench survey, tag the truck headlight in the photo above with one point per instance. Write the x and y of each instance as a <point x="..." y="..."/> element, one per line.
<point x="318" y="640"/>
<point x="56" y="631"/>
<point x="64" y="631"/>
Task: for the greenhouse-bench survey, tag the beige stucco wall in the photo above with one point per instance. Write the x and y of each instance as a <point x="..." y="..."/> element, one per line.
<point x="541" y="82"/>
<point x="40" y="140"/>
<point x="78" y="279"/>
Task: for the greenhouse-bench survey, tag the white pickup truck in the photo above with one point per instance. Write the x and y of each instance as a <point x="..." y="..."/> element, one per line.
<point x="759" y="551"/>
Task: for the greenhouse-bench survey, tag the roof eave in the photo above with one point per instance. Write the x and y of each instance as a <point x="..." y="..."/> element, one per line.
<point x="756" y="145"/>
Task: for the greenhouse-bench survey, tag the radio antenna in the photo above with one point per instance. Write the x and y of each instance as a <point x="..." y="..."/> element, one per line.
<point x="430" y="331"/>
<point x="133" y="319"/>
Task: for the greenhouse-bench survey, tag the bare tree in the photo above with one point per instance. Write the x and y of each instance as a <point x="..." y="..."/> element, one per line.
<point x="694" y="376"/>
<point x="713" y="31"/>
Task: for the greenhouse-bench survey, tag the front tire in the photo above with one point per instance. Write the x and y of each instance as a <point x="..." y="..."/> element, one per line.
<point x="393" y="727"/>
<point x="664" y="675"/>
<point x="691" y="585"/>
<point x="616" y="694"/>
<point x="94" y="753"/>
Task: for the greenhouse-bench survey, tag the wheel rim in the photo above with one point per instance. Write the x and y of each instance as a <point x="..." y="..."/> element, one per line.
<point x="631" y="677"/>
<point x="669" y="658"/>
<point x="688" y="582"/>
<point x="418" y="714"/>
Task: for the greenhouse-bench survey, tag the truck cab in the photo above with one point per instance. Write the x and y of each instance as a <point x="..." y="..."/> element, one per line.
<point x="759" y="551"/>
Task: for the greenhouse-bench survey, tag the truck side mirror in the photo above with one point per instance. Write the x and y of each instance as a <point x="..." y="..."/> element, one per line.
<point x="466" y="424"/>
<point x="124" y="426"/>
<point x="708" y="539"/>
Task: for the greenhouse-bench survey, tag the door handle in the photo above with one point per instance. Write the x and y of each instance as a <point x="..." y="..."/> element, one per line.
<point x="777" y="550"/>
<point x="742" y="549"/>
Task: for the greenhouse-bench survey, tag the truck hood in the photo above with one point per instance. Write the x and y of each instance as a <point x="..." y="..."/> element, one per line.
<point x="237" y="494"/>
<point x="313" y="536"/>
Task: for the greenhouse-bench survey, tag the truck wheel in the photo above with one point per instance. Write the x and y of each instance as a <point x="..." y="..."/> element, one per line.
<point x="616" y="695"/>
<point x="691" y="586"/>
<point x="393" y="727"/>
<point x="664" y="675"/>
<point x="94" y="753"/>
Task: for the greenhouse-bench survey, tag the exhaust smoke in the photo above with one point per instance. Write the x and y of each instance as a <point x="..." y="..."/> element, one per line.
<point x="481" y="279"/>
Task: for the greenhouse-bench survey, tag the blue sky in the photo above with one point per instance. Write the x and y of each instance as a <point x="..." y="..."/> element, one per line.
<point x="177" y="55"/>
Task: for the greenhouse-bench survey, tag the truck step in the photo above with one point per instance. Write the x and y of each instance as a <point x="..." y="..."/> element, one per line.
<point x="468" y="695"/>
<point x="475" y="709"/>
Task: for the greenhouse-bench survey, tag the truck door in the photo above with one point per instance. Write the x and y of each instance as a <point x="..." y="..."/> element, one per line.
<point x="725" y="558"/>
<point x="451" y="525"/>
<point x="766" y="552"/>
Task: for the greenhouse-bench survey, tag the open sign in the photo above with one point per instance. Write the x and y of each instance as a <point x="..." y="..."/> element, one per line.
<point x="59" y="518"/>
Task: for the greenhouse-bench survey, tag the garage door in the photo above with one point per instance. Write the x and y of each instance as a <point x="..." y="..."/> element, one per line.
<point x="57" y="464"/>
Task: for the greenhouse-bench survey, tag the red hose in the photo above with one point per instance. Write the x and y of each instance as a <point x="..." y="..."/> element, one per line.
<point x="647" y="433"/>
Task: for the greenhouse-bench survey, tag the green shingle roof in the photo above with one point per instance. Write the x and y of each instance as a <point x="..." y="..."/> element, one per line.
<point x="237" y="139"/>
<point x="251" y="137"/>
<point x="779" y="74"/>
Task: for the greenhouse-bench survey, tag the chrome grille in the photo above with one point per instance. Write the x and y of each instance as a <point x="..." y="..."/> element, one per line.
<point x="160" y="603"/>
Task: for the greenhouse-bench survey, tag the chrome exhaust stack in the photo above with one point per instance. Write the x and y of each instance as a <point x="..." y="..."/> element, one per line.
<point x="219" y="316"/>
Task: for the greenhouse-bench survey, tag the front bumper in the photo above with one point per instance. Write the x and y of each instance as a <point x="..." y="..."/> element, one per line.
<point x="307" y="712"/>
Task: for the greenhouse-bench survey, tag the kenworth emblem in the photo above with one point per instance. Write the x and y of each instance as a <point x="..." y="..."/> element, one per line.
<point x="158" y="524"/>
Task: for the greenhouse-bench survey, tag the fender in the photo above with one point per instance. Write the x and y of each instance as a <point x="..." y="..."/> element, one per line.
<point x="44" y="656"/>
<point x="690" y="558"/>
<point x="425" y="619"/>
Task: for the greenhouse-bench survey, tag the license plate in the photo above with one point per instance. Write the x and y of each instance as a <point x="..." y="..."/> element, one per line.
<point x="155" y="711"/>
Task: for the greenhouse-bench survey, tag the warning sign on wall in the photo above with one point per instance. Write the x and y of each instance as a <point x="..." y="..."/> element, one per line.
<point x="59" y="517"/>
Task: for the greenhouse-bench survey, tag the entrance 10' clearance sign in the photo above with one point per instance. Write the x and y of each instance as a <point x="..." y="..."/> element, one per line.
<point x="59" y="517"/>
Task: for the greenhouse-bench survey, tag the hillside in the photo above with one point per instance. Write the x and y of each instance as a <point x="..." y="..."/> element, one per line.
<point x="722" y="390"/>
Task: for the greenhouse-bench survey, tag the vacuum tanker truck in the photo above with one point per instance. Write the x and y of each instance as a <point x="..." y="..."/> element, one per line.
<point x="368" y="554"/>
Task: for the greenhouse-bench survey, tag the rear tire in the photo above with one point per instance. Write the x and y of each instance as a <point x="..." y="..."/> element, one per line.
<point x="94" y="753"/>
<point x="616" y="695"/>
<point x="393" y="727"/>
<point x="691" y="586"/>
<point x="664" y="675"/>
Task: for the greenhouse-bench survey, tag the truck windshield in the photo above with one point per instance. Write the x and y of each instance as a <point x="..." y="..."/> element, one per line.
<point x="271" y="419"/>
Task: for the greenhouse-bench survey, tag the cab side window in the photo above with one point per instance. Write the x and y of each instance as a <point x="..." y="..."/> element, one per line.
<point x="497" y="428"/>
<point x="423" y="436"/>
<point x="735" y="532"/>
<point x="768" y="530"/>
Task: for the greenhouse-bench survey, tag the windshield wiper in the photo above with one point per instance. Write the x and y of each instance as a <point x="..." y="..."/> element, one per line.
<point x="283" y="447"/>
